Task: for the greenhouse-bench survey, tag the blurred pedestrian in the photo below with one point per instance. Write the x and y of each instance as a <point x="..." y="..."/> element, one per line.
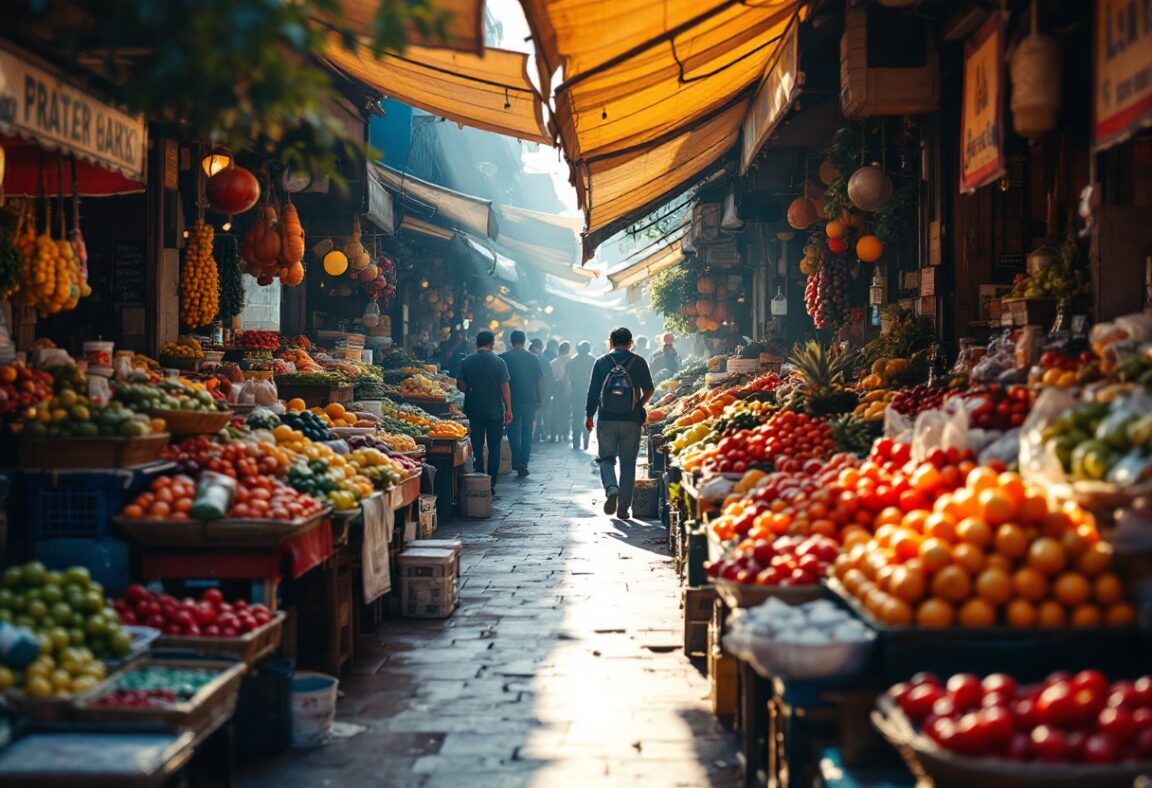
<point x="483" y="378"/>
<point x="561" y="395"/>
<point x="640" y="346"/>
<point x="578" y="373"/>
<point x="540" y="431"/>
<point x="666" y="359"/>
<point x="526" y="380"/>
<point x="620" y="387"/>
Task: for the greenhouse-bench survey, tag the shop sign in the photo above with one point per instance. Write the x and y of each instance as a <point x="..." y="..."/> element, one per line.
<point x="36" y="105"/>
<point x="1123" y="71"/>
<point x="982" y="114"/>
<point x="779" y="89"/>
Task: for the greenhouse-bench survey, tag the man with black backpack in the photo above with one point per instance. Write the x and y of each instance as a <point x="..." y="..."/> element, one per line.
<point x="620" y="387"/>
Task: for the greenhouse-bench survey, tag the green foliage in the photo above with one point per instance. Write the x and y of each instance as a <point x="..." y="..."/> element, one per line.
<point x="894" y="221"/>
<point x="844" y="154"/>
<point x="668" y="292"/>
<point x="230" y="280"/>
<point x="243" y="72"/>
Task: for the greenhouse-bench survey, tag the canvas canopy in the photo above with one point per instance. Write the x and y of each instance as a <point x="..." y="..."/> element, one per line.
<point x="648" y="266"/>
<point x="463" y="28"/>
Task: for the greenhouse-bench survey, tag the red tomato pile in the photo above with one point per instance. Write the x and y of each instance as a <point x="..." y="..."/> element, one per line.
<point x="787" y="561"/>
<point x="170" y="498"/>
<point x="1065" y="719"/>
<point x="267" y="498"/>
<point x="258" y="340"/>
<point x="22" y="387"/>
<point x="787" y="440"/>
<point x="210" y="617"/>
<point x="239" y="459"/>
<point x="1000" y="408"/>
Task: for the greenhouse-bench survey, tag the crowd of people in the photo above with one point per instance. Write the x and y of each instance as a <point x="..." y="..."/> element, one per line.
<point x="546" y="391"/>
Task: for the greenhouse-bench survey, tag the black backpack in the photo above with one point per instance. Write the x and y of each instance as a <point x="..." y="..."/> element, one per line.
<point x="618" y="396"/>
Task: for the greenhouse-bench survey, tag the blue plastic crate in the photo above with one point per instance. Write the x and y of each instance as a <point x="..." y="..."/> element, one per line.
<point x="108" y="560"/>
<point x="82" y="503"/>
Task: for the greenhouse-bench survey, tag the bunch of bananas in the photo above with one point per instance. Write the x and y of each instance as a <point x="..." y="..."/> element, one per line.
<point x="199" y="281"/>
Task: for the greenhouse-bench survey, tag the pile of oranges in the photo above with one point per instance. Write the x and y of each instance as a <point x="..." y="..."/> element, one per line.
<point x="993" y="552"/>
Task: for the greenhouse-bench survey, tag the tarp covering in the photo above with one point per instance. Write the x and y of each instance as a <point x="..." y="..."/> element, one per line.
<point x="545" y="241"/>
<point x="489" y="91"/>
<point x="647" y="267"/>
<point x="463" y="24"/>
<point x="661" y="77"/>
<point x="498" y="265"/>
<point x="462" y="211"/>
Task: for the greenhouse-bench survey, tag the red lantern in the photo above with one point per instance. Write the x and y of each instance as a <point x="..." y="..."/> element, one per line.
<point x="233" y="190"/>
<point x="837" y="245"/>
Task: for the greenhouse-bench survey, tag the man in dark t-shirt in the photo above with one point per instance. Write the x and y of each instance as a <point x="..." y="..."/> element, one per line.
<point x="483" y="377"/>
<point x="527" y="383"/>
<point x="618" y="434"/>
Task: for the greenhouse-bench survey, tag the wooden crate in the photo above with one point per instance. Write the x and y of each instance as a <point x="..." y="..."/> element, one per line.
<point x="325" y="631"/>
<point x="723" y="682"/>
<point x="697" y="605"/>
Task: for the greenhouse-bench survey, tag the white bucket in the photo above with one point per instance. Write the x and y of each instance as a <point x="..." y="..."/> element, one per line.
<point x="313" y="709"/>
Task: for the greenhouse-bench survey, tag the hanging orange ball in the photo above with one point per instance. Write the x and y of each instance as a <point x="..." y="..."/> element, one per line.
<point x="869" y="248"/>
<point x="835" y="229"/>
<point x="802" y="213"/>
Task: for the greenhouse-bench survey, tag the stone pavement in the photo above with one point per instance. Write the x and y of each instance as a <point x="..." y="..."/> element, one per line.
<point x="563" y="665"/>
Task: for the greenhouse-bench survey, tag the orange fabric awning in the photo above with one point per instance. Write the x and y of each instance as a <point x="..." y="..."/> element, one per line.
<point x="490" y="92"/>
<point x="463" y="26"/>
<point x="668" y="87"/>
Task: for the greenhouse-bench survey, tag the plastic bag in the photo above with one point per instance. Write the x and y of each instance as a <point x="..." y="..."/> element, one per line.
<point x="1005" y="447"/>
<point x="256" y="391"/>
<point x="1000" y="358"/>
<point x="1038" y="464"/>
<point x="940" y="429"/>
<point x="897" y="426"/>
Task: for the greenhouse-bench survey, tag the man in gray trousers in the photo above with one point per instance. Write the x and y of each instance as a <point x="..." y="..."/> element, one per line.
<point x="620" y="387"/>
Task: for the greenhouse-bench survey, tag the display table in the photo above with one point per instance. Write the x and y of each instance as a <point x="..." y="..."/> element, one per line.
<point x="129" y="760"/>
<point x="297" y="555"/>
<point x="447" y="456"/>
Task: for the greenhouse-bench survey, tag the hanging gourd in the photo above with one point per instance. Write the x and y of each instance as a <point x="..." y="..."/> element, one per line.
<point x="292" y="275"/>
<point x="291" y="236"/>
<point x="1037" y="83"/>
<point x="233" y="190"/>
<point x="870" y="188"/>
<point x="802" y="213"/>
<point x="869" y="248"/>
<point x="358" y="256"/>
<point x="705" y="285"/>
<point x="703" y="307"/>
<point x="262" y="245"/>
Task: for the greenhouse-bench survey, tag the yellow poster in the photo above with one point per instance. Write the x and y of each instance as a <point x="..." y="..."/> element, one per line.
<point x="1123" y="73"/>
<point x="982" y="117"/>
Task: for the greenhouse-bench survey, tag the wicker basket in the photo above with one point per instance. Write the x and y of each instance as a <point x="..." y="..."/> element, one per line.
<point x="105" y="452"/>
<point x="249" y="649"/>
<point x="741" y="595"/>
<point x="190" y="422"/>
<point x="207" y="710"/>
<point x="936" y="766"/>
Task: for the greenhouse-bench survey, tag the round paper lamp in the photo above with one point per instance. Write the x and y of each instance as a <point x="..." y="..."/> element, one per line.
<point x="335" y="263"/>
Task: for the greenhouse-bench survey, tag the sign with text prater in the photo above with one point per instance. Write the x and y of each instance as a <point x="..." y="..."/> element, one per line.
<point x="982" y="112"/>
<point x="38" y="106"/>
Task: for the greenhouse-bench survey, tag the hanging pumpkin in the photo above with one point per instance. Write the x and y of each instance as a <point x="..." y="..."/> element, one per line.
<point x="721" y="312"/>
<point x="703" y="307"/>
<point x="869" y="248"/>
<point x="292" y="275"/>
<point x="705" y="285"/>
<point x="291" y="236"/>
<point x="233" y="190"/>
<point x="689" y="309"/>
<point x="802" y="213"/>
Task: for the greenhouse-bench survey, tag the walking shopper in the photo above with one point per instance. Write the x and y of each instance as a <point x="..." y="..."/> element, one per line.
<point x="620" y="387"/>
<point x="578" y="372"/>
<point x="540" y="432"/>
<point x="483" y="377"/>
<point x="666" y="359"/>
<point x="561" y="420"/>
<point x="527" y="384"/>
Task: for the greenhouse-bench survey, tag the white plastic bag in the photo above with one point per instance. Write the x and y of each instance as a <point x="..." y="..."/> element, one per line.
<point x="1038" y="464"/>
<point x="946" y="428"/>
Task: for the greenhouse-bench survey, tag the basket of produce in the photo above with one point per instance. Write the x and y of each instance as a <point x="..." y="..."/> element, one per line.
<point x="815" y="640"/>
<point x="188" y="422"/>
<point x="1068" y="732"/>
<point x="789" y="569"/>
<point x="102" y="452"/>
<point x="208" y="627"/>
<point x="165" y="694"/>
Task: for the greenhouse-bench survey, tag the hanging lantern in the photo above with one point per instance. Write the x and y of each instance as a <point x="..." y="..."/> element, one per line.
<point x="870" y="188"/>
<point x="2" y="165"/>
<point x="876" y="289"/>
<point x="779" y="305"/>
<point x="869" y="248"/>
<point x="801" y="213"/>
<point x="232" y="190"/>
<point x="335" y="263"/>
<point x="217" y="160"/>
<point x="1037" y="83"/>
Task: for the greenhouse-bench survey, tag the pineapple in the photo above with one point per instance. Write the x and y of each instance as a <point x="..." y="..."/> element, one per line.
<point x="821" y="375"/>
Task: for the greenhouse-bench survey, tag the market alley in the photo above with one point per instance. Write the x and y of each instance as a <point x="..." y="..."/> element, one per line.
<point x="563" y="665"/>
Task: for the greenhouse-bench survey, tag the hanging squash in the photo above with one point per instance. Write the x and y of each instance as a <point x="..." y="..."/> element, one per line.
<point x="358" y="256"/>
<point x="262" y="242"/>
<point x="703" y="307"/>
<point x="291" y="236"/>
<point x="292" y="275"/>
<point x="705" y="285"/>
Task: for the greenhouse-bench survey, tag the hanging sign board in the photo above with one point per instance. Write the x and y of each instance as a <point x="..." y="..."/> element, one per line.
<point x="780" y="87"/>
<point x="36" y="105"/>
<point x="982" y="113"/>
<point x="1123" y="71"/>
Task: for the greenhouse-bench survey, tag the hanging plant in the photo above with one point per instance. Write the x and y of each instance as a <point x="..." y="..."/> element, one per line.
<point x="894" y="221"/>
<point x="844" y="157"/>
<point x="669" y="291"/>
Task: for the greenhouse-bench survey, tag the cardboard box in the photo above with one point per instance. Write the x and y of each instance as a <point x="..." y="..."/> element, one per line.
<point x="428" y="597"/>
<point x="427" y="521"/>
